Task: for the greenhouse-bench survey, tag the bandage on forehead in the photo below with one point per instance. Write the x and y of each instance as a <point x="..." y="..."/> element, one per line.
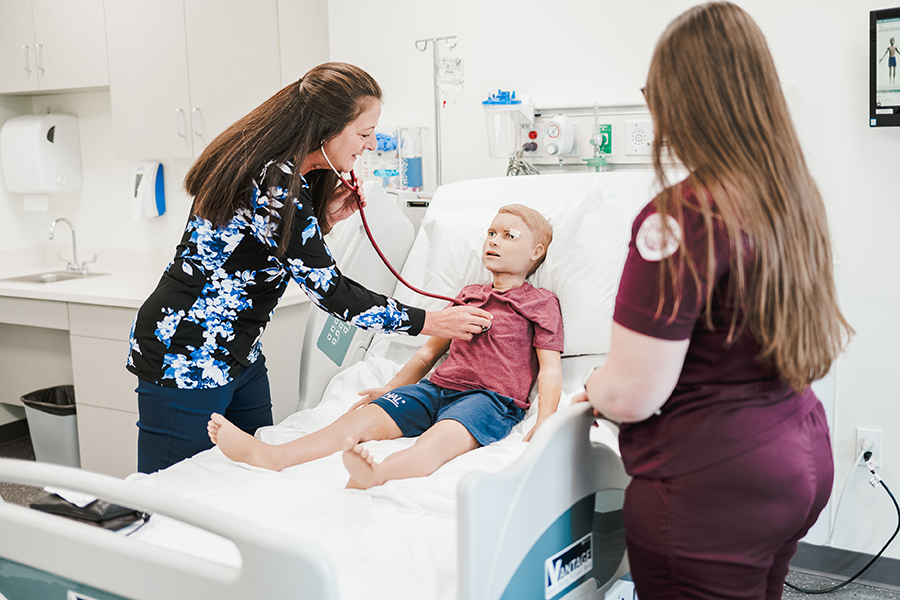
<point x="515" y="233"/>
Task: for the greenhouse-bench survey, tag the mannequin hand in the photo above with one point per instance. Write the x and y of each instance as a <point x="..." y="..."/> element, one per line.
<point x="342" y="204"/>
<point x="368" y="396"/>
<point x="456" y="322"/>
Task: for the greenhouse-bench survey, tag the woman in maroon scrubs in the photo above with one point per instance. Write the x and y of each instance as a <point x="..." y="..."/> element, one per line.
<point x="726" y="312"/>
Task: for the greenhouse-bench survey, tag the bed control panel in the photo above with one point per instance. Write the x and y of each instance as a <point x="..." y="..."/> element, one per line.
<point x="335" y="338"/>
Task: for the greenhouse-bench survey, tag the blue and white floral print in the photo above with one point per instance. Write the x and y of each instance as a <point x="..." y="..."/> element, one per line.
<point x="382" y="318"/>
<point x="206" y="317"/>
<point x="213" y="246"/>
<point x="133" y="345"/>
<point x="311" y="230"/>
<point x="201" y="371"/>
<point x="165" y="329"/>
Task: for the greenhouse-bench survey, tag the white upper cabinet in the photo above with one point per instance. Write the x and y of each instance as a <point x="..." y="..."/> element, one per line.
<point x="148" y="76"/>
<point x="50" y="45"/>
<point x="182" y="71"/>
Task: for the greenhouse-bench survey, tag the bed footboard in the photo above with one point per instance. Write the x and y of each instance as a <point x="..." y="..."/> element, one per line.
<point x="550" y="526"/>
<point x="45" y="552"/>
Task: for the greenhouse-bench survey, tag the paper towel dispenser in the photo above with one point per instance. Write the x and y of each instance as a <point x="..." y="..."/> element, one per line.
<point x="41" y="154"/>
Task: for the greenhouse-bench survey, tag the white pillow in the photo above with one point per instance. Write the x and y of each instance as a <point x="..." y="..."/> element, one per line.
<point x="452" y="259"/>
<point x="582" y="267"/>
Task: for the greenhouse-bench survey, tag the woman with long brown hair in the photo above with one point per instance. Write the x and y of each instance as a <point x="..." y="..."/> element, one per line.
<point x="726" y="312"/>
<point x="264" y="194"/>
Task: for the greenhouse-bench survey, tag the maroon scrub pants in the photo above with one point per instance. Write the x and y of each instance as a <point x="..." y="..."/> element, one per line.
<point x="729" y="531"/>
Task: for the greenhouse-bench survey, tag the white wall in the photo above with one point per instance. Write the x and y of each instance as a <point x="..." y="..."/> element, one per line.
<point x="586" y="51"/>
<point x="101" y="211"/>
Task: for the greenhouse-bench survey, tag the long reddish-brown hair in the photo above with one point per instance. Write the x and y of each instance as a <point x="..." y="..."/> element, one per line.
<point x="718" y="107"/>
<point x="290" y="125"/>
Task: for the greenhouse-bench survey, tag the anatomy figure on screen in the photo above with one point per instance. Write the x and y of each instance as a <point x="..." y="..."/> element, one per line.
<point x="473" y="398"/>
<point x="891" y="53"/>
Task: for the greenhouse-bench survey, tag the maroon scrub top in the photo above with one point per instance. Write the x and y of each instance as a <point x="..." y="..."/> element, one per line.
<point x="725" y="402"/>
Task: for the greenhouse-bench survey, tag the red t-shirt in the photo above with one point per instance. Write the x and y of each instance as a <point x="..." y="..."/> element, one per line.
<point x="725" y="402"/>
<point x="503" y="358"/>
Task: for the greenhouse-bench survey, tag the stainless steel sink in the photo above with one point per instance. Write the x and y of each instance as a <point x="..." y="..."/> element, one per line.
<point x="51" y="277"/>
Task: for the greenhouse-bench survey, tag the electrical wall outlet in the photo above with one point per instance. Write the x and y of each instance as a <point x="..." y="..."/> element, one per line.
<point x="877" y="448"/>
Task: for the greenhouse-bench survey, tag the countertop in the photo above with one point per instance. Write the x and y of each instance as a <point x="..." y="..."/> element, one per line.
<point x="118" y="288"/>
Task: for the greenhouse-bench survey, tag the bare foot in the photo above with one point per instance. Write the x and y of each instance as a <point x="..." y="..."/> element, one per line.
<point x="361" y="466"/>
<point x="239" y="445"/>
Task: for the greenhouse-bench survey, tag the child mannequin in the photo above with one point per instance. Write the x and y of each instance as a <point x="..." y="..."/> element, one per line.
<point x="474" y="398"/>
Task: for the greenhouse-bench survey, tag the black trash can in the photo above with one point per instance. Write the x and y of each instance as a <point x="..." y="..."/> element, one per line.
<point x="53" y="425"/>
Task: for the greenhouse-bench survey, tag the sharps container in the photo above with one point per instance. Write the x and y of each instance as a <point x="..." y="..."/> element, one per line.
<point x="52" y="422"/>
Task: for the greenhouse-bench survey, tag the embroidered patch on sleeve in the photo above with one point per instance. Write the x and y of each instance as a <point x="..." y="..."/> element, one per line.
<point x="649" y="240"/>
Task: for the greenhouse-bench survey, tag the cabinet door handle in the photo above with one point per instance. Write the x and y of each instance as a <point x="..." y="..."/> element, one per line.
<point x="179" y="121"/>
<point x="195" y="114"/>
<point x="25" y="58"/>
<point x="40" y="57"/>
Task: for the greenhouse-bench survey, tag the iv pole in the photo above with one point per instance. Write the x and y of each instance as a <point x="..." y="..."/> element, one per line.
<point x="421" y="46"/>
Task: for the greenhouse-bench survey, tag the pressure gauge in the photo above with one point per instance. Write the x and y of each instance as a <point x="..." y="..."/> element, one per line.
<point x="560" y="134"/>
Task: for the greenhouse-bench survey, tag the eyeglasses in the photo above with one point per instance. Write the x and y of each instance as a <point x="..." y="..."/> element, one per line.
<point x="643" y="93"/>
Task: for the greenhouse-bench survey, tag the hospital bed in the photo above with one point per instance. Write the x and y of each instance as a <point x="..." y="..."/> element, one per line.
<point x="510" y="520"/>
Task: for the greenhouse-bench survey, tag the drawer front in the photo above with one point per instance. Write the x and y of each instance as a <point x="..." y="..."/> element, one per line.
<point x="104" y="322"/>
<point x="107" y="440"/>
<point x="100" y="376"/>
<point x="34" y="313"/>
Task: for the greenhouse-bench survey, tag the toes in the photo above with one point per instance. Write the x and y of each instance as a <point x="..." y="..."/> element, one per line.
<point x="349" y="444"/>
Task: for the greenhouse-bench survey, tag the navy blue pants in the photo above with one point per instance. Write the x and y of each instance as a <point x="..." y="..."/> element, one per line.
<point x="172" y="422"/>
<point x="728" y="531"/>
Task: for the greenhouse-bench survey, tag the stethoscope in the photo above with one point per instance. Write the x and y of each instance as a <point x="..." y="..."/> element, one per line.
<point x="353" y="186"/>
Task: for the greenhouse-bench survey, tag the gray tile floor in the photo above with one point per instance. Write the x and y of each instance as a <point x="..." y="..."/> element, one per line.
<point x="852" y="590"/>
<point x="23" y="494"/>
<point x="11" y="492"/>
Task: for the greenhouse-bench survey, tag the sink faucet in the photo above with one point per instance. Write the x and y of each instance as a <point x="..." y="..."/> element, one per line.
<point x="74" y="266"/>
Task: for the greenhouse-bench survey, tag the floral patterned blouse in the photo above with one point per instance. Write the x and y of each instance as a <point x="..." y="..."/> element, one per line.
<point x="204" y="321"/>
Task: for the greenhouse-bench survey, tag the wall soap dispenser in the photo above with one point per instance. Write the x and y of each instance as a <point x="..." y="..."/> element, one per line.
<point x="41" y="155"/>
<point x="148" y="198"/>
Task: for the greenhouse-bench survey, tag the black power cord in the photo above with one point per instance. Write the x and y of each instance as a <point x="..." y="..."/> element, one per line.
<point x="875" y="481"/>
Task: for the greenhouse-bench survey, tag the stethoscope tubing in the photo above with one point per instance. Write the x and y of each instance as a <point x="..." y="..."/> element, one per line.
<point x="353" y="186"/>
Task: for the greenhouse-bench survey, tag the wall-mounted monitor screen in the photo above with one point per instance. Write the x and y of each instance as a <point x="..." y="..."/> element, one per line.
<point x="884" y="79"/>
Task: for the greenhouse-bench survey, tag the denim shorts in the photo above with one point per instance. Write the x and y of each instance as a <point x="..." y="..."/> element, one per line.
<point x="488" y="416"/>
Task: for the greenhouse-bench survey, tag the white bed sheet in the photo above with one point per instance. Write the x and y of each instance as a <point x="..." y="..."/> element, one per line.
<point x="394" y="541"/>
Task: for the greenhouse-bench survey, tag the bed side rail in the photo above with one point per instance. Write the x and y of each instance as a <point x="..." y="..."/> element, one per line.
<point x="273" y="565"/>
<point x="531" y="516"/>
